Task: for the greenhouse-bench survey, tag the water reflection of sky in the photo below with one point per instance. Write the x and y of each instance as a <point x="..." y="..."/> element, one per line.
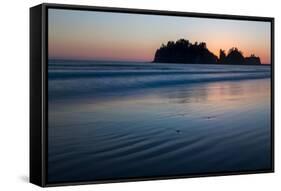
<point x="221" y="94"/>
<point x="204" y="100"/>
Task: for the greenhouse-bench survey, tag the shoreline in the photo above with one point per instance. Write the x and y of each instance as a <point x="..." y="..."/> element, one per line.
<point x="148" y="62"/>
<point x="210" y="64"/>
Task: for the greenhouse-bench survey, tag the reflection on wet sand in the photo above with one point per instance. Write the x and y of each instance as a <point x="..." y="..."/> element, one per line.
<point x="170" y="129"/>
<point x="193" y="129"/>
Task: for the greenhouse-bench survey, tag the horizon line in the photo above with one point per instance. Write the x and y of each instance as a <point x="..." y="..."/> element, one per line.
<point x="139" y="61"/>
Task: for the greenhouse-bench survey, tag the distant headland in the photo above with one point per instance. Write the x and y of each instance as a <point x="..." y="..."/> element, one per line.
<point x="182" y="51"/>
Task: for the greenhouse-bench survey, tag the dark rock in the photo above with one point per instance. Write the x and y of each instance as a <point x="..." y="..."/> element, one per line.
<point x="182" y="51"/>
<point x="252" y="60"/>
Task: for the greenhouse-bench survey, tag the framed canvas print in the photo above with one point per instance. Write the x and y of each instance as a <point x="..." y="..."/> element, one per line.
<point x="127" y="94"/>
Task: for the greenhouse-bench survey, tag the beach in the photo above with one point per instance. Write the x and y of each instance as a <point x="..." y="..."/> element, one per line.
<point x="114" y="120"/>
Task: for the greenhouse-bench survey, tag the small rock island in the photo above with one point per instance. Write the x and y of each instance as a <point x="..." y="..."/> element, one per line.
<point x="183" y="51"/>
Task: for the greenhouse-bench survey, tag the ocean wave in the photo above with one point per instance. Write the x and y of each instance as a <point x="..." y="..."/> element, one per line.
<point x="98" y="82"/>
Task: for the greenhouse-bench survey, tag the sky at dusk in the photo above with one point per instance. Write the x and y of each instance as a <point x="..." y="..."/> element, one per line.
<point x="92" y="35"/>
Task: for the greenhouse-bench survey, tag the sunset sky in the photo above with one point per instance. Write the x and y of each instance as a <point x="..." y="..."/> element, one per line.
<point x="75" y="34"/>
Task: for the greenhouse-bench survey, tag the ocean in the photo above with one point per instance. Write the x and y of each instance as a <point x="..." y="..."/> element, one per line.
<point x="116" y="120"/>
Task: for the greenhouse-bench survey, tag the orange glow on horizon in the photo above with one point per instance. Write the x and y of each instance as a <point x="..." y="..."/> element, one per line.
<point x="141" y="53"/>
<point x="132" y="37"/>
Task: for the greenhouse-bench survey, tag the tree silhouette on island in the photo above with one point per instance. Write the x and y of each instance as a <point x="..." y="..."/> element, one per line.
<point x="182" y="51"/>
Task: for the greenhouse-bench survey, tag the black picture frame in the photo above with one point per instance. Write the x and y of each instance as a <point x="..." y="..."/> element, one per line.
<point x="39" y="84"/>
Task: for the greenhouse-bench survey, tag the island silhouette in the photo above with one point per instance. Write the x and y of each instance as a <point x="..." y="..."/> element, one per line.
<point x="183" y="51"/>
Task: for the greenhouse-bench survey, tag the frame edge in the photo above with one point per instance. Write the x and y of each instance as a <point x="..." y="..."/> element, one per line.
<point x="36" y="168"/>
